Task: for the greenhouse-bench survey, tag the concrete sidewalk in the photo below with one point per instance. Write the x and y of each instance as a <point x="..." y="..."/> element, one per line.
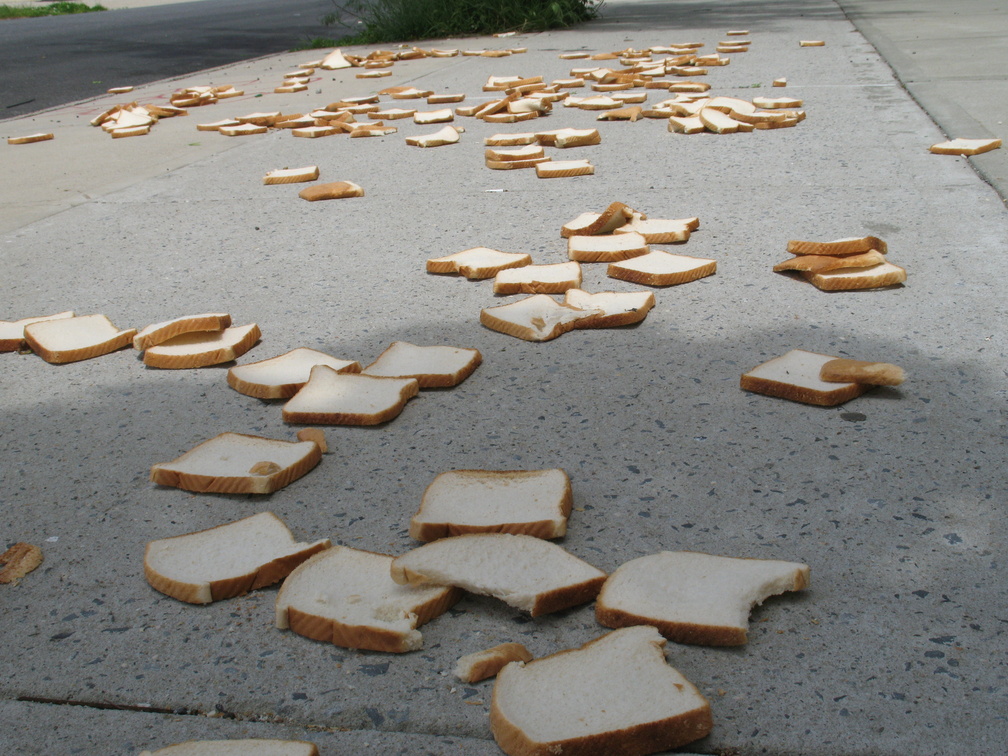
<point x="891" y="499"/>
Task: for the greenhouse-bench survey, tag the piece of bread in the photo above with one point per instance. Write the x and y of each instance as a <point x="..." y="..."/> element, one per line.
<point x="825" y="263"/>
<point x="692" y="597"/>
<point x="614" y="695"/>
<point x="201" y="349"/>
<point x="563" y="138"/>
<point x="526" y="152"/>
<point x="555" y="278"/>
<point x="431" y="366"/>
<point x="535" y="318"/>
<point x="447" y="135"/>
<point x="444" y="115"/>
<point x="528" y="502"/>
<point x="661" y="230"/>
<point x="592" y="224"/>
<point x="478" y="263"/>
<point x="853" y="279"/>
<point x="332" y="398"/>
<point x="333" y="190"/>
<point x="859" y="371"/>
<point x="480" y="665"/>
<point x="242" y="129"/>
<point x="795" y="376"/>
<point x="235" y="463"/>
<point x="662" y="269"/>
<point x="686" y="124"/>
<point x="12" y="331"/>
<point x="614" y="309"/>
<point x="849" y="246"/>
<point x="73" y="339"/>
<point x="811" y="43"/>
<point x="283" y="376"/>
<point x="216" y="125"/>
<point x="158" y="333"/>
<point x="525" y="572"/>
<point x="226" y="561"/>
<point x="30" y="138"/>
<point x="721" y="123"/>
<point x="513" y="165"/>
<point x="291" y="175"/>
<point x="776" y="103"/>
<point x="510" y="140"/>
<point x="961" y="146"/>
<point x="18" y="561"/>
<point x="239" y="747"/>
<point x="346" y="597"/>
<point x="564" y="169"/>
<point x="608" y="248"/>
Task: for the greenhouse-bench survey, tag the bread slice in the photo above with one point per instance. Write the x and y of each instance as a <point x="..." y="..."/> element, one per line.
<point x="661" y="230"/>
<point x="692" y="597"/>
<point x="478" y="263"/>
<point x="333" y="190"/>
<point x="563" y="138"/>
<point x="434" y="116"/>
<point x="795" y="376"/>
<point x="614" y="309"/>
<point x="858" y="371"/>
<point x="592" y="224"/>
<point x="292" y="175"/>
<point x="538" y="279"/>
<point x="528" y="502"/>
<point x="447" y="135"/>
<point x="614" y="695"/>
<point x="73" y="339"/>
<point x="283" y="376"/>
<point x="525" y="572"/>
<point x="332" y="398"/>
<point x="608" y="248"/>
<point x="12" y="331"/>
<point x="345" y="596"/>
<point x="225" y="561"/>
<point x="852" y="279"/>
<point x="201" y="349"/>
<point x="510" y="140"/>
<point x="825" y="263"/>
<point x="686" y="124"/>
<point x="158" y="333"/>
<point x="18" y="561"/>
<point x="850" y="246"/>
<point x="564" y="169"/>
<point x="237" y="747"/>
<point x="662" y="269"/>
<point x="526" y="152"/>
<point x="535" y="318"/>
<point x="431" y="366"/>
<point x="961" y="146"/>
<point x="30" y="138"/>
<point x="472" y="668"/>
<point x="234" y="463"/>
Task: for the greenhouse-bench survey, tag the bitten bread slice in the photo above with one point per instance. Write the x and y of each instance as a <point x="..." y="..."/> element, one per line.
<point x="535" y="318"/>
<point x="74" y="339"/>
<point x="525" y="572"/>
<point x="692" y="597"/>
<point x="331" y="398"/>
<point x="529" y="502"/>
<point x="662" y="269"/>
<point x="226" y="561"/>
<point x="431" y="366"/>
<point x="478" y="263"/>
<point x="235" y="463"/>
<point x="281" y="377"/>
<point x="538" y="279"/>
<point x="853" y="279"/>
<point x="608" y="248"/>
<point x="614" y="308"/>
<point x="158" y="333"/>
<point x="795" y="376"/>
<point x="12" y="331"/>
<point x="346" y="597"/>
<point x="193" y="350"/>
<point x="240" y="747"/>
<point x="614" y="695"/>
<point x="480" y="665"/>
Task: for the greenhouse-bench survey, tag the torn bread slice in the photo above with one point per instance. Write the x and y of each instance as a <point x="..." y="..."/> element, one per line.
<point x="592" y="224"/>
<point x="431" y="366"/>
<point x="535" y="318"/>
<point x="226" y="561"/>
<point x="73" y="339"/>
<point x="346" y="597"/>
<point x="283" y="376"/>
<point x="616" y="694"/>
<point x="962" y="146"/>
<point x="554" y="278"/>
<point x="235" y="463"/>
<point x="528" y="502"/>
<point x="158" y="333"/>
<point x="662" y="269"/>
<point x="12" y="331"/>
<point x="478" y="263"/>
<point x="849" y="246"/>
<point x="854" y="279"/>
<point x="291" y="175"/>
<point x="523" y="571"/>
<point x="859" y="371"/>
<point x="795" y="376"/>
<point x="692" y="597"/>
<point x="614" y="308"/>
<point x="237" y="747"/>
<point x="608" y="248"/>
<point x="201" y="349"/>
<point x="480" y="665"/>
<point x="331" y="398"/>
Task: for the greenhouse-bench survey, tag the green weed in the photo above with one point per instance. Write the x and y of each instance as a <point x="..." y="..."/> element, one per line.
<point x="51" y="9"/>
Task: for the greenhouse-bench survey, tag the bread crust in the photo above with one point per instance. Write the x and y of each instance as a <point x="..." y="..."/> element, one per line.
<point x="153" y="335"/>
<point x="484" y="664"/>
<point x="215" y="356"/>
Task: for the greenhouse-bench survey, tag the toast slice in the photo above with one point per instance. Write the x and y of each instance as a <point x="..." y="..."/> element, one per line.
<point x="480" y="665"/>
<point x="431" y="366"/>
<point x="525" y="572"/>
<point x="12" y="331"/>
<point x="226" y="561"/>
<point x="854" y="279"/>
<point x="795" y="376"/>
<point x="73" y="339"/>
<point x="478" y="263"/>
<point x="527" y="502"/>
<point x="283" y="376"/>
<point x="692" y="597"/>
<point x="613" y="695"/>
<point x="234" y="463"/>
<point x="662" y="269"/>
<point x="237" y="747"/>
<point x="202" y="349"/>
<point x="158" y="333"/>
<point x="345" y="596"/>
<point x="538" y="279"/>
<point x="535" y="318"/>
<point x="331" y="398"/>
<point x="614" y="309"/>
<point x="609" y="248"/>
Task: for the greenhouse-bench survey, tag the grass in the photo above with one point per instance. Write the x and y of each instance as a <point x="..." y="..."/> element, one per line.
<point x="50" y="9"/>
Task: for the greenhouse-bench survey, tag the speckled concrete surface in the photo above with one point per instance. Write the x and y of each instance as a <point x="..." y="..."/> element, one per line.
<point x="896" y="648"/>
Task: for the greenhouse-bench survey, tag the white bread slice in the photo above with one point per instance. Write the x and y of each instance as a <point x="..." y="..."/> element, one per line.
<point x="12" y="331"/>
<point x="283" y="376"/>
<point x="529" y="502"/>
<point x="480" y="665"/>
<point x="851" y="279"/>
<point x="510" y="140"/>
<point x="392" y="114"/>
<point x="563" y="138"/>
<point x="661" y="230"/>
<point x="609" y="248"/>
<point x="216" y="125"/>
<point x="226" y="561"/>
<point x="239" y="747"/>
<point x="526" y="152"/>
<point x="555" y="278"/>
<point x="692" y="597"/>
<point x="795" y="376"/>
<point x="345" y="596"/>
<point x="962" y="146"/>
<point x="431" y="366"/>
<point x="825" y="263"/>
<point x="447" y="135"/>
<point x="30" y="138"/>
<point x="444" y="115"/>
<point x="614" y="695"/>
<point x="201" y="349"/>
<point x="72" y="339"/>
<point x="776" y="103"/>
<point x="242" y="129"/>
<point x="592" y="224"/>
<point x="859" y="371"/>
<point x="158" y="333"/>
<point x="291" y="175"/>
<point x="686" y="124"/>
<point x="535" y="318"/>
<point x="849" y="246"/>
<point x="478" y="263"/>
<point x="662" y="269"/>
<point x="614" y="308"/>
<point x="334" y="60"/>
<point x="331" y="398"/>
<point x="525" y="572"/>
<point x="564" y="169"/>
<point x="720" y="122"/>
<point x="225" y="464"/>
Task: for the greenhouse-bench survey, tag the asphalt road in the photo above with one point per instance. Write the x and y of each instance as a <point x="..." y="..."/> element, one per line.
<point x="50" y="61"/>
